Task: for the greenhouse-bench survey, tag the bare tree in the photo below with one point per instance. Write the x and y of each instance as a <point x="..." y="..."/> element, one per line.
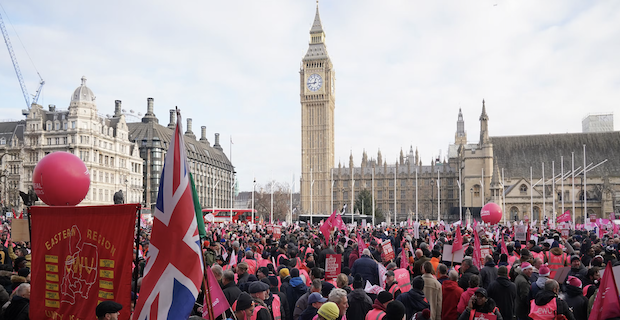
<point x="281" y="201"/>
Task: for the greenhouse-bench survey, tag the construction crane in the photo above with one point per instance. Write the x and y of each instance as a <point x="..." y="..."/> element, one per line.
<point x="19" y="73"/>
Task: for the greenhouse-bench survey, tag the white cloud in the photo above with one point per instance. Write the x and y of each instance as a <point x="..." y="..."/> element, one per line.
<point x="403" y="68"/>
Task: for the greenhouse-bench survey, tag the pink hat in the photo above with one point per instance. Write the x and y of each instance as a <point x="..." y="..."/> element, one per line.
<point x="544" y="271"/>
<point x="526" y="265"/>
<point x="574" y="281"/>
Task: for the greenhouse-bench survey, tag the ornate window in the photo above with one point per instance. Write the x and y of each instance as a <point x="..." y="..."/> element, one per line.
<point x="523" y="189"/>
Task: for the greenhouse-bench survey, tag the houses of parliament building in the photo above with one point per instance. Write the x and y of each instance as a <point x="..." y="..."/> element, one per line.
<point x="529" y="176"/>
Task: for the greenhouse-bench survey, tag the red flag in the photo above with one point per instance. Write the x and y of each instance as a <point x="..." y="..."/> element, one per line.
<point x="328" y="226"/>
<point x="607" y="304"/>
<point x="476" y="256"/>
<point x="338" y="223"/>
<point x="504" y="248"/>
<point x="564" y="217"/>
<point x="458" y="240"/>
<point x="404" y="260"/>
<point x="218" y="301"/>
<point x="527" y="237"/>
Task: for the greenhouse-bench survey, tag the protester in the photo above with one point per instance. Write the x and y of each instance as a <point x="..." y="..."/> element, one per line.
<point x="301" y="304"/>
<point x="467" y="270"/>
<point x="339" y="297"/>
<point x="379" y="307"/>
<point x="488" y="273"/>
<point x="547" y="303"/>
<point x="395" y="310"/>
<point x="315" y="301"/>
<point x="451" y="294"/>
<point x="522" y="282"/>
<point x="474" y="283"/>
<point x="504" y="293"/>
<point x="359" y="302"/>
<point x="414" y="300"/>
<point x="328" y="311"/>
<point x="575" y="299"/>
<point x="478" y="304"/>
<point x="432" y="290"/>
<point x="19" y="307"/>
<point x="366" y="267"/>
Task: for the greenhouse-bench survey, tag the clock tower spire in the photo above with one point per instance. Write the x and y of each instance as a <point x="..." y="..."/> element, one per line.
<point x="317" y="97"/>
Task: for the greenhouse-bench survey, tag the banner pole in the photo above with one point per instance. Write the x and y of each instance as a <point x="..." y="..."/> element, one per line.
<point x="137" y="269"/>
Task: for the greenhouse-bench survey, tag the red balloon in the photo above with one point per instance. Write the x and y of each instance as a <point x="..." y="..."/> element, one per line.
<point x="61" y="179"/>
<point x="491" y="213"/>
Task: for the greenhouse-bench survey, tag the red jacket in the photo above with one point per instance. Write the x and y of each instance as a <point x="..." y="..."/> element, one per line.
<point x="465" y="299"/>
<point x="451" y="294"/>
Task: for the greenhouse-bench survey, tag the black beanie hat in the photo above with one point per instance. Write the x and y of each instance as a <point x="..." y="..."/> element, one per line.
<point x="384" y="296"/>
<point x="358" y="282"/>
<point x="418" y="283"/>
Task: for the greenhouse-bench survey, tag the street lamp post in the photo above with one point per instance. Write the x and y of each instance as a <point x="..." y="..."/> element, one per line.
<point x="253" y="191"/>
<point x="471" y="191"/>
<point x="213" y="195"/>
<point x="127" y="189"/>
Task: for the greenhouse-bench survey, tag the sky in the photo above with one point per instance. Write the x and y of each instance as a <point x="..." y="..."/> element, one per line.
<point x="403" y="69"/>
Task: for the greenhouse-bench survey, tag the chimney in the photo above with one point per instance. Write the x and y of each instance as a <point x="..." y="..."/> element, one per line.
<point x="217" y="142"/>
<point x="117" y="108"/>
<point x="173" y="121"/>
<point x="203" y="135"/>
<point x="189" y="132"/>
<point x="149" y="116"/>
<point x="52" y="107"/>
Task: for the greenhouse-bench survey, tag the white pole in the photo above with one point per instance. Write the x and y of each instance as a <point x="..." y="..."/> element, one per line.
<point x="395" y="167"/>
<point x="553" y="190"/>
<point x="482" y="184"/>
<point x="503" y="197"/>
<point x="352" y="193"/>
<point x="416" y="194"/>
<point x="253" y="191"/>
<point x="232" y="192"/>
<point x="271" y="217"/>
<point x="562" y="187"/>
<point x="291" y="200"/>
<point x="585" y="189"/>
<point x="573" y="184"/>
<point x="332" y="193"/>
<point x="373" y="197"/>
<point x="438" y="198"/>
<point x="460" y="194"/>
<point x="213" y="194"/>
<point x="544" y="194"/>
<point x="311" y="186"/>
<point x="531" y="195"/>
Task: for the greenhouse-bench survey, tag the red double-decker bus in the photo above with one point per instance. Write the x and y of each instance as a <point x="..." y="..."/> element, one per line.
<point x="223" y="215"/>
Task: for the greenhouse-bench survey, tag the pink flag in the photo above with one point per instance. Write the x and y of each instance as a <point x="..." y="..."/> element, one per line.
<point x="328" y="226"/>
<point x="504" y="248"/>
<point x="338" y="223"/>
<point x="607" y="304"/>
<point x="616" y="228"/>
<point x="476" y="256"/>
<point x="404" y="261"/>
<point x="233" y="259"/>
<point x="564" y="217"/>
<point x="218" y="301"/>
<point x="360" y="244"/>
<point x="458" y="241"/>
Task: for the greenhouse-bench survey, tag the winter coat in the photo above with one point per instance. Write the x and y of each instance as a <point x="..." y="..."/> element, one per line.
<point x="488" y="274"/>
<point x="243" y="279"/>
<point x="18" y="309"/>
<point x="464" y="280"/>
<point x="537" y="286"/>
<point x="488" y="307"/>
<point x="296" y="289"/>
<point x="577" y="302"/>
<point x="464" y="300"/>
<point x="367" y="268"/>
<point x="353" y="257"/>
<point x="359" y="304"/>
<point x="432" y="291"/>
<point x="231" y="292"/>
<point x="301" y="305"/>
<point x="309" y="313"/>
<point x="417" y="266"/>
<point x="545" y="296"/>
<point x="522" y="303"/>
<point x="414" y="301"/>
<point x="451" y="294"/>
<point x="504" y="292"/>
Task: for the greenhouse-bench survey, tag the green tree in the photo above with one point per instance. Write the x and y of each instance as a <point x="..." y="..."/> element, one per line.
<point x="363" y="204"/>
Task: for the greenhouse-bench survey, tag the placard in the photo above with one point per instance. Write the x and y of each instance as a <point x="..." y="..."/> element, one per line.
<point x="19" y="230"/>
<point x="561" y="274"/>
<point x="564" y="233"/>
<point x="363" y="223"/>
<point x="332" y="265"/>
<point x="535" y="238"/>
<point x="521" y="233"/>
<point x="448" y="256"/>
<point x="484" y="251"/>
<point x="277" y="232"/>
<point x="269" y="229"/>
<point x="388" y="251"/>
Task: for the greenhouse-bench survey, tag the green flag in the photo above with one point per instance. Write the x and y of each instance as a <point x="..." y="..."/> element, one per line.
<point x="199" y="218"/>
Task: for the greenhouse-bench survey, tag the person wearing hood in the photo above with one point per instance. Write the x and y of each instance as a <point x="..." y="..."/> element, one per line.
<point x="379" y="308"/>
<point x="504" y="293"/>
<point x="467" y="270"/>
<point x="414" y="300"/>
<point x="575" y="299"/>
<point x="474" y="283"/>
<point x="451" y="294"/>
<point x="488" y="273"/>
<point x="296" y="289"/>
<point x="480" y="304"/>
<point x="302" y="303"/>
<point x="359" y="302"/>
<point x="260" y="292"/>
<point x="555" y="259"/>
<point x="543" y="276"/>
<point x="315" y="301"/>
<point x="395" y="310"/>
<point x="523" y="284"/>
<point x="366" y="267"/>
<point x="547" y="304"/>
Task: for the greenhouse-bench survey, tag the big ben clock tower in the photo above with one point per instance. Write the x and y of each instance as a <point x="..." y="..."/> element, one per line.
<point x="317" y="96"/>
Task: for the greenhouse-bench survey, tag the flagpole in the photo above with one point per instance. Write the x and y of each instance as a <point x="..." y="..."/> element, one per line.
<point x="562" y="168"/>
<point x="416" y="194"/>
<point x="585" y="189"/>
<point x="395" y="168"/>
<point x="543" y="187"/>
<point x="503" y="197"/>
<point x="271" y="217"/>
<point x="207" y="291"/>
<point x="253" y="192"/>
<point x="531" y="195"/>
<point x="291" y="200"/>
<point x="438" y="198"/>
<point x="573" y="186"/>
<point x="460" y="192"/>
<point x="373" y="196"/>
<point x="553" y="189"/>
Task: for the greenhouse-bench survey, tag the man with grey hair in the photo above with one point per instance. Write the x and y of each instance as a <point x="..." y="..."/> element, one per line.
<point x="217" y="272"/>
<point x="488" y="273"/>
<point x="548" y="301"/>
<point x="229" y="288"/>
<point x="442" y="273"/>
<point x="467" y="270"/>
<point x="19" y="307"/>
<point x="366" y="267"/>
<point x="451" y="294"/>
<point x="420" y="259"/>
<point x="339" y="297"/>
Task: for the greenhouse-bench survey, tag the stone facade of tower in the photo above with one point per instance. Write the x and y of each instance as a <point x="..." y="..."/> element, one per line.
<point x="317" y="96"/>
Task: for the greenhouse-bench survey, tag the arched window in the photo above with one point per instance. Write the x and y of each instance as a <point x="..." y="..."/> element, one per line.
<point x="536" y="215"/>
<point x="523" y="189"/>
<point x="476" y="190"/>
<point x="514" y="213"/>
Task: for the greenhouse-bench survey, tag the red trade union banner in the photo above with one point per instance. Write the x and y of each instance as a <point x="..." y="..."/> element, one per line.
<point x="81" y="256"/>
<point x="277" y="232"/>
<point x="388" y="251"/>
<point x="332" y="266"/>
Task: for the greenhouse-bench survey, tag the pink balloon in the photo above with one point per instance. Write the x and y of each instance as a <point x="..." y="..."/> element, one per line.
<point x="491" y="213"/>
<point x="61" y="179"/>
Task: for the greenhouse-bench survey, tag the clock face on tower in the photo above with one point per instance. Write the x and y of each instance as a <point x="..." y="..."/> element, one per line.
<point x="314" y="82"/>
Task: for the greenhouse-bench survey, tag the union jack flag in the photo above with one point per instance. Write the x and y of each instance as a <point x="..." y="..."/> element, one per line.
<point x="174" y="269"/>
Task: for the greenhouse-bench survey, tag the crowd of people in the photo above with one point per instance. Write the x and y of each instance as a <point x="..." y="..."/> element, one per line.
<point x="268" y="278"/>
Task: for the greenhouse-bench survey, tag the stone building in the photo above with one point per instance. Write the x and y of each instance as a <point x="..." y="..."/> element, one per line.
<point x="102" y="142"/>
<point x="212" y="171"/>
<point x="317" y="96"/>
<point x="523" y="174"/>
